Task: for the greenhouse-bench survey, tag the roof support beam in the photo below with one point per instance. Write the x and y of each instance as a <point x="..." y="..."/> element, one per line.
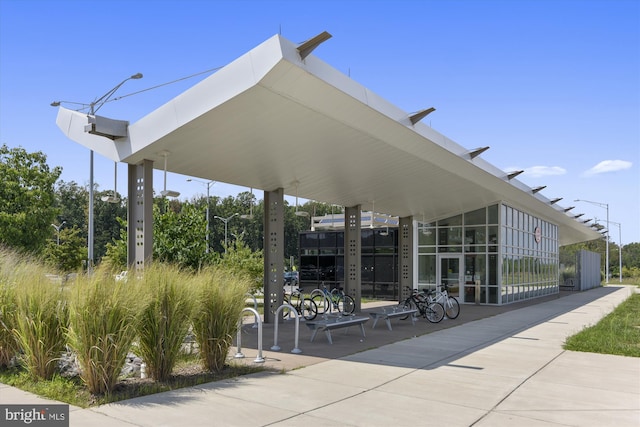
<point x="307" y="47"/>
<point x="475" y="153"/>
<point x="416" y="117"/>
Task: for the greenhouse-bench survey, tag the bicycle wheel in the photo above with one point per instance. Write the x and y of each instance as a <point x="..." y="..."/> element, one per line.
<point x="451" y="307"/>
<point x="309" y="309"/>
<point x="346" y="305"/>
<point x="322" y="305"/>
<point x="409" y="304"/>
<point x="294" y="299"/>
<point x="434" y="312"/>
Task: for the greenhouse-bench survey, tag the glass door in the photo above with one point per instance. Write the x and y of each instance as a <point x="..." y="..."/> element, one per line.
<point x="450" y="273"/>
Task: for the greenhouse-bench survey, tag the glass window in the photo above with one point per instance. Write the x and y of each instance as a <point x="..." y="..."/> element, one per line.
<point x="426" y="236"/>
<point x="427" y="269"/>
<point x="493" y="214"/>
<point x="450" y="235"/>
<point x="385" y="268"/>
<point x="327" y="240"/>
<point x="475" y="235"/>
<point x="475" y="217"/>
<point x="308" y="240"/>
<point x="367" y="237"/>
<point x="454" y="220"/>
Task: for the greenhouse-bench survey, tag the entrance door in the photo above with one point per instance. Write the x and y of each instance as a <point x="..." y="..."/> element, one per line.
<point x="451" y="273"/>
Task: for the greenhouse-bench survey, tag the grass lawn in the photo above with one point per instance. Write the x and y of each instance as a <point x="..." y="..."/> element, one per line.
<point x="618" y="333"/>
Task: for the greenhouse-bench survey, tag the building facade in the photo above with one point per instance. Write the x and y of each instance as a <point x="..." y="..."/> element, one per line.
<point x="494" y="255"/>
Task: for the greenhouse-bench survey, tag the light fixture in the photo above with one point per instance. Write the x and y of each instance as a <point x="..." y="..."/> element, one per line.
<point x="578" y="216"/>
<point x="114" y="198"/>
<point x="568" y="209"/>
<point x="165" y="192"/>
<point x="554" y="201"/>
<point x="299" y="213"/>
<point x="250" y="215"/>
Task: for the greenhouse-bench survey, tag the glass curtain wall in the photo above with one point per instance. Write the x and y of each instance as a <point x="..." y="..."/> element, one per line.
<point x="519" y="262"/>
<point x="529" y="251"/>
<point x="322" y="261"/>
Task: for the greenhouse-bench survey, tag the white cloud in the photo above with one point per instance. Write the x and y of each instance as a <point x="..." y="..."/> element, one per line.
<point x="608" y="166"/>
<point x="540" y="171"/>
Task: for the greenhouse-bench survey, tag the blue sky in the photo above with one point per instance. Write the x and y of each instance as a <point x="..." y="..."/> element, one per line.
<point x="552" y="86"/>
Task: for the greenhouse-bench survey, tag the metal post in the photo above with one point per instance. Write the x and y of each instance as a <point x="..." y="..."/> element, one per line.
<point x="90" y="226"/>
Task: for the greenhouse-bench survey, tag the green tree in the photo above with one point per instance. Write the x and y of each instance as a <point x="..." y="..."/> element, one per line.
<point x="67" y="255"/>
<point x="26" y="199"/>
<point x="178" y="237"/>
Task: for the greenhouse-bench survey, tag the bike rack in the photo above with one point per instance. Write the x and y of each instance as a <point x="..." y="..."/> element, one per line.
<point x="255" y="307"/>
<point x="276" y="347"/>
<point x="239" y="355"/>
<point x="328" y="301"/>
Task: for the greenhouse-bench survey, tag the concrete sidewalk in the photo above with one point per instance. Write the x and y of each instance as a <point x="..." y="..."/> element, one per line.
<point x="503" y="370"/>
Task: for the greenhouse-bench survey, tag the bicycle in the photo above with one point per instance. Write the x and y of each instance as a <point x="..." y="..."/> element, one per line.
<point x="335" y="299"/>
<point x="304" y="306"/>
<point x="430" y="310"/>
<point x="450" y="304"/>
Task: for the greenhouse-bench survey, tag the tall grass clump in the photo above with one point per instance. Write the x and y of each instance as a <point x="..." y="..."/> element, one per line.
<point x="102" y="327"/>
<point x="164" y="319"/>
<point x="219" y="303"/>
<point x="41" y="317"/>
<point x="8" y="306"/>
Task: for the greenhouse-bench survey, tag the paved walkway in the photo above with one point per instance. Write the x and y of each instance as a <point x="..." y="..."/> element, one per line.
<point x="503" y="370"/>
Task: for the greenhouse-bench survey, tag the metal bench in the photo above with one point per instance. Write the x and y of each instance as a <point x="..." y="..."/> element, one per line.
<point x="335" y="322"/>
<point x="388" y="314"/>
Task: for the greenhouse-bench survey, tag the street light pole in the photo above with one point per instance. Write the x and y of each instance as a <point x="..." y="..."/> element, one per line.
<point x="208" y="184"/>
<point x="58" y="227"/>
<point x="226" y="229"/>
<point x="93" y="108"/>
<point x="606" y="206"/>
<point x="619" y="249"/>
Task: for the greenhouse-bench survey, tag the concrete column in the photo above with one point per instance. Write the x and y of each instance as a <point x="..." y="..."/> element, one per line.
<point x="353" y="254"/>
<point x="140" y="214"/>
<point x="273" y="252"/>
<point x="406" y="250"/>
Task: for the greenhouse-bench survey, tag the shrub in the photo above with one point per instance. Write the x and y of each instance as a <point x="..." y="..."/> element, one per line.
<point x="41" y="317"/>
<point x="164" y="319"/>
<point x="102" y="327"/>
<point x="219" y="303"/>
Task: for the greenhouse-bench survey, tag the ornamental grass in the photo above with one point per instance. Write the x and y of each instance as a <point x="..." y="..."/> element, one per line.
<point x="41" y="317"/>
<point x="219" y="303"/>
<point x="8" y="344"/>
<point x="103" y="326"/>
<point x="165" y="317"/>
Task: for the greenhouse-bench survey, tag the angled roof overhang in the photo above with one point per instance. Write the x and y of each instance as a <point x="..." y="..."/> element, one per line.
<point x="271" y="119"/>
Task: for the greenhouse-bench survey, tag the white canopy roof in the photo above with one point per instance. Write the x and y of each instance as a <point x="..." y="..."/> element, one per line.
<point x="271" y="119"/>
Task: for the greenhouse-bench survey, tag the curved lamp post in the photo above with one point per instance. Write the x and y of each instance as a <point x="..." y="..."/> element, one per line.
<point x="93" y="107"/>
<point x="208" y="184"/>
<point x="226" y="228"/>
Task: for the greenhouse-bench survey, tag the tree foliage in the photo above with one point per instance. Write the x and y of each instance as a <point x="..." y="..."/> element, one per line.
<point x="68" y="254"/>
<point x="26" y="199"/>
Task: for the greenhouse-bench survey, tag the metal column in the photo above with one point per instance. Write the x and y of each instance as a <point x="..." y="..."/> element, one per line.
<point x="353" y="254"/>
<point x="273" y="252"/>
<point x="140" y="215"/>
<point x="406" y="249"/>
